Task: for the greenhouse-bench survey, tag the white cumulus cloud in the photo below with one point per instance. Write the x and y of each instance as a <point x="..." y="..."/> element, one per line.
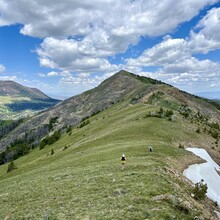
<point x="80" y="35"/>
<point x="53" y="73"/>
<point x="71" y="55"/>
<point x="176" y="65"/>
<point x="206" y="36"/>
<point x="11" y="78"/>
<point x="164" y="53"/>
<point x="43" y="18"/>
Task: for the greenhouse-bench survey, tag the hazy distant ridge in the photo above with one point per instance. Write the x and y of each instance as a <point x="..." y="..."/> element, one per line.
<point x="10" y="88"/>
<point x="17" y="101"/>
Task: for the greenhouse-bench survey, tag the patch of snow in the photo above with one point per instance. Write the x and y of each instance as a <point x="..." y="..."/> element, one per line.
<point x="207" y="172"/>
<point x="205" y="156"/>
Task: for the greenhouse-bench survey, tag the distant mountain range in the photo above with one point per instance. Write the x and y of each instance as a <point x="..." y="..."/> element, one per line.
<point x="17" y="101"/>
<point x="10" y="88"/>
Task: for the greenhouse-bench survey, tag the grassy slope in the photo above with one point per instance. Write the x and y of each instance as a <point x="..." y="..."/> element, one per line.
<point x="6" y="113"/>
<point x="85" y="181"/>
<point x="10" y="99"/>
<point x="13" y="108"/>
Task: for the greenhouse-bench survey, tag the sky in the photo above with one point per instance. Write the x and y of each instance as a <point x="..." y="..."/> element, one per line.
<point x="67" y="47"/>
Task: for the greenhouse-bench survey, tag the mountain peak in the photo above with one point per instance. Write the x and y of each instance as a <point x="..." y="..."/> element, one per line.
<point x="123" y="87"/>
<point x="123" y="72"/>
<point x="143" y="79"/>
<point x="11" y="88"/>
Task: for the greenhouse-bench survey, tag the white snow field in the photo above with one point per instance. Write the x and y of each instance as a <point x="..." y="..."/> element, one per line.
<point x="207" y="172"/>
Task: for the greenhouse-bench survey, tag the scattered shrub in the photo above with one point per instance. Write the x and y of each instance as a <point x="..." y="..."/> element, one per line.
<point x="48" y="140"/>
<point x="170" y="119"/>
<point x="96" y="113"/>
<point x="42" y="144"/>
<point x="200" y="190"/>
<point x="84" y="123"/>
<point x="52" y="152"/>
<point x="149" y="114"/>
<point x="214" y="134"/>
<point x="161" y="113"/>
<point x="65" y="147"/>
<point x="168" y="113"/>
<point x="52" y="122"/>
<point x="198" y="130"/>
<point x="85" y="118"/>
<point x="11" y="166"/>
<point x="69" y="129"/>
<point x="181" y="146"/>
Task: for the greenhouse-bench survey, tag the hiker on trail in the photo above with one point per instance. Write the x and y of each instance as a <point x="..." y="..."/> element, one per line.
<point x="150" y="149"/>
<point x="123" y="161"/>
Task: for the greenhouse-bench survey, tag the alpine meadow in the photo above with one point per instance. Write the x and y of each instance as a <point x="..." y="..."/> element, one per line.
<point x="78" y="175"/>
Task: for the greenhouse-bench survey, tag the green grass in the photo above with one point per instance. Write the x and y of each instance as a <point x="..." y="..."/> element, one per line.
<point x="10" y="99"/>
<point x="7" y="114"/>
<point x="161" y="99"/>
<point x="5" y="123"/>
<point x="14" y="108"/>
<point x="85" y="181"/>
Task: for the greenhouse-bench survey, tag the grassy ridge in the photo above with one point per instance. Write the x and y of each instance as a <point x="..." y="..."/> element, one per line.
<point x="85" y="180"/>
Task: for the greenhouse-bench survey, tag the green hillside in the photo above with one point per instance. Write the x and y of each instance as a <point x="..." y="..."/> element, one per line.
<point x="80" y="176"/>
<point x="122" y="86"/>
<point x="17" y="101"/>
<point x="13" y="108"/>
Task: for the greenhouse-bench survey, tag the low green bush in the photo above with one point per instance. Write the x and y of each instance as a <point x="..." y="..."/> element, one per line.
<point x="200" y="190"/>
<point x="11" y="166"/>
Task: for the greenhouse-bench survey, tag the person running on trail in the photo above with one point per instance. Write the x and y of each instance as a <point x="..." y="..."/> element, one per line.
<point x="123" y="161"/>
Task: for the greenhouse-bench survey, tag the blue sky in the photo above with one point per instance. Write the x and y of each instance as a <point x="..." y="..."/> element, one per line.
<point x="66" y="47"/>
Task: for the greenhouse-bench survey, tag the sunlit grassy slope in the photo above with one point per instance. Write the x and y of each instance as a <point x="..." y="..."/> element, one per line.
<point x="15" y="107"/>
<point x="85" y="181"/>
